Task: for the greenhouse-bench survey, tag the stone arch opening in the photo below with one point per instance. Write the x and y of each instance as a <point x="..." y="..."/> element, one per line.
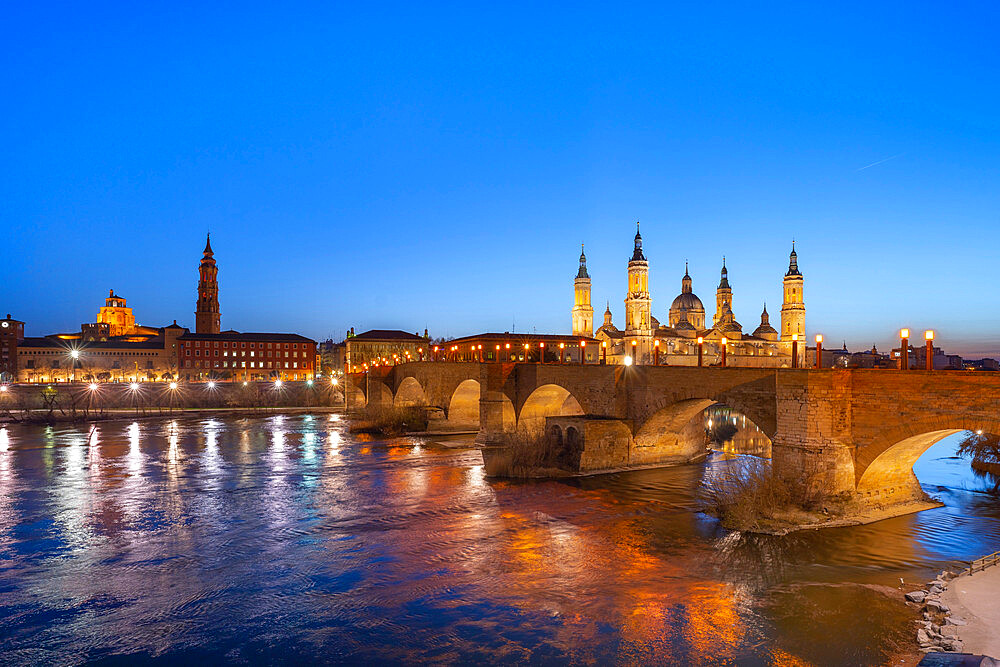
<point x="463" y="407"/>
<point x="556" y="435"/>
<point x="548" y="400"/>
<point x="682" y="429"/>
<point x="889" y="477"/>
<point x="410" y="394"/>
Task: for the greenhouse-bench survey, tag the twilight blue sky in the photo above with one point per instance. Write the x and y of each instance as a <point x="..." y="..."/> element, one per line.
<point x="416" y="165"/>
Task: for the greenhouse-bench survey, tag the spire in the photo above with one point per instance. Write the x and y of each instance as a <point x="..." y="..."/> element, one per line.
<point x="724" y="282"/>
<point x="582" y="273"/>
<point x="637" y="255"/>
<point x="764" y="317"/>
<point x="686" y="280"/>
<point x="607" y="315"/>
<point x="793" y="262"/>
<point x="686" y="275"/>
<point x="208" y="245"/>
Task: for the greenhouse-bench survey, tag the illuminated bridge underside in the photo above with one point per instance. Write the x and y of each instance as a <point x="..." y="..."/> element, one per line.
<point x="838" y="431"/>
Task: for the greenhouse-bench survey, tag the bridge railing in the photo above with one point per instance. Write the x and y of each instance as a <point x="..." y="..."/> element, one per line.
<point x="981" y="564"/>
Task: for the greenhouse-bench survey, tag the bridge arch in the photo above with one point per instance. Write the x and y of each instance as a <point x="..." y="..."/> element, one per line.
<point x="410" y="393"/>
<point x="677" y="428"/>
<point x="884" y="467"/>
<point x="547" y="400"/>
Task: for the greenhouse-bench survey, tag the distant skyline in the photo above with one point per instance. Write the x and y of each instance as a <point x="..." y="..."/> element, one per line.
<point x="409" y="167"/>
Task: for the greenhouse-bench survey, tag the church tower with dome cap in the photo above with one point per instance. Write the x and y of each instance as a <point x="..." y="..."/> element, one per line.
<point x="723" y="295"/>
<point x="638" y="305"/>
<point x="583" y="311"/>
<point x="793" y="308"/>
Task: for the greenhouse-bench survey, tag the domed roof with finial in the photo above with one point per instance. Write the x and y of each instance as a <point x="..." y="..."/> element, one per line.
<point x="582" y="273"/>
<point x="687" y="299"/>
<point x="724" y="282"/>
<point x="793" y="262"/>
<point x="637" y="255"/>
<point x="765" y="330"/>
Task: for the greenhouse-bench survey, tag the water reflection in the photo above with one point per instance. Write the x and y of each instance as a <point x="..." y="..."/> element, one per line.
<point x="243" y="539"/>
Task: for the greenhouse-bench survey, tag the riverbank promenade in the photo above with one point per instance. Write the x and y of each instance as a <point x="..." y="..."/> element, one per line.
<point x="975" y="599"/>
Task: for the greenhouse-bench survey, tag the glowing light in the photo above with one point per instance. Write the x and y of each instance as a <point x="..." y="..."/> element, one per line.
<point x="819" y="338"/>
<point x="3" y="387"/>
<point x="334" y="382"/>
<point x="244" y="383"/>
<point x="173" y="385"/>
<point x="904" y="333"/>
<point x="134" y="386"/>
<point x="309" y="383"/>
<point x="979" y="432"/>
<point x="92" y="386"/>
<point x="211" y="384"/>
<point x="277" y="384"/>
<point x="795" y="337"/>
<point x="75" y="354"/>
<point x="700" y="340"/>
<point x="929" y="334"/>
<point x="724" y="341"/>
<point x="627" y="360"/>
<point x="656" y="343"/>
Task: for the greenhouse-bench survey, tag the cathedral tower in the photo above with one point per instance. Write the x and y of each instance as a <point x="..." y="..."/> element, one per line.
<point x="723" y="295"/>
<point x="638" y="325"/>
<point x="583" y="312"/>
<point x="206" y="314"/>
<point x="793" y="308"/>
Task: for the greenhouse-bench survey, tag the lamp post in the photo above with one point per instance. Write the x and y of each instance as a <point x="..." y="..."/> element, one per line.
<point x="496" y="356"/>
<point x="819" y="350"/>
<point x="583" y="348"/>
<point x="795" y="350"/>
<point x="725" y="344"/>
<point x="635" y="356"/>
<point x="701" y="349"/>
<point x="541" y="352"/>
<point x="562" y="347"/>
<point x="656" y="353"/>
<point x="604" y="353"/>
<point x="526" y="348"/>
<point x="929" y="362"/>
<point x="904" y="353"/>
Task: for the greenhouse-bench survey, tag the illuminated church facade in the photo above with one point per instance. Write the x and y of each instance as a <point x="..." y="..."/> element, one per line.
<point x="645" y="340"/>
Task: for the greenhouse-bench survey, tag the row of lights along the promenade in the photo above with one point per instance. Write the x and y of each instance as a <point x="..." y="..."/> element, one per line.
<point x="477" y="351"/>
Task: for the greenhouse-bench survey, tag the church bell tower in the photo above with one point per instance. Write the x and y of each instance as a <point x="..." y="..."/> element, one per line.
<point x="638" y="325"/>
<point x="793" y="308"/>
<point x="206" y="314"/>
<point x="583" y="311"/>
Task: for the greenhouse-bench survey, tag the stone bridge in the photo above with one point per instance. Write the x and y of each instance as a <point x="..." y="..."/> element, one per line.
<point x="840" y="431"/>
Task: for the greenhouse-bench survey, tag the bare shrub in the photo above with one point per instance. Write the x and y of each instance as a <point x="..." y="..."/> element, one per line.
<point x="390" y="420"/>
<point x="532" y="454"/>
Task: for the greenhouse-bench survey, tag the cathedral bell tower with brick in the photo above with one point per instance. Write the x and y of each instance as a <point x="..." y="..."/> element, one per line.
<point x="206" y="315"/>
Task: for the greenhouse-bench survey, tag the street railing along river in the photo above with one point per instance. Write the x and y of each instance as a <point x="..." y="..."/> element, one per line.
<point x="285" y="539"/>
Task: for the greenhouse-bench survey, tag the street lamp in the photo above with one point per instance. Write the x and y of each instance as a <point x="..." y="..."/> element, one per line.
<point x="583" y="345"/>
<point x="904" y="354"/>
<point x="211" y="384"/>
<point x="819" y="350"/>
<point x="795" y="350"/>
<point x="75" y="354"/>
<point x="701" y="349"/>
<point x="725" y="344"/>
<point x="627" y="360"/>
<point x="277" y="384"/>
<point x="656" y="353"/>
<point x="173" y="385"/>
<point x="929" y="337"/>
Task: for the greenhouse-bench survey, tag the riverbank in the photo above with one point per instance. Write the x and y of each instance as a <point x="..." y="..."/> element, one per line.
<point x="122" y="414"/>
<point x="796" y="520"/>
<point x="973" y="605"/>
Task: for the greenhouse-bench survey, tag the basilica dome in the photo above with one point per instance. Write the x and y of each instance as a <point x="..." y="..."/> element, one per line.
<point x="688" y="301"/>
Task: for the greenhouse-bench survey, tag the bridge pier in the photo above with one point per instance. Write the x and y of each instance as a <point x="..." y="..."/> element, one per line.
<point x="491" y="402"/>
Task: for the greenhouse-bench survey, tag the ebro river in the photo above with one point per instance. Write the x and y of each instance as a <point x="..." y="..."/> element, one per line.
<point x="285" y="539"/>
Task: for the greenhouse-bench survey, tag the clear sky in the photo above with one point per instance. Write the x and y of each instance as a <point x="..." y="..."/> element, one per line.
<point x="416" y="165"/>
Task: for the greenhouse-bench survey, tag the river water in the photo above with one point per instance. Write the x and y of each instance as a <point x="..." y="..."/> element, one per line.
<point x="285" y="539"/>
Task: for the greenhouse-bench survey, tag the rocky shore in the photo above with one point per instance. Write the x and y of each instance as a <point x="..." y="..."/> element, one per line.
<point x="945" y="629"/>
